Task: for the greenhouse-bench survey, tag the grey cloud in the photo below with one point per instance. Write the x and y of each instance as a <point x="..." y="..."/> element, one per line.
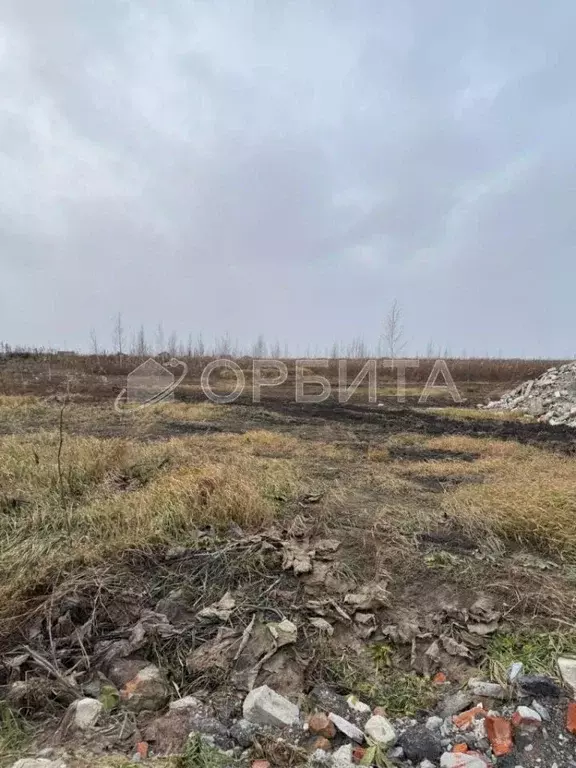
<point x="287" y="168"/>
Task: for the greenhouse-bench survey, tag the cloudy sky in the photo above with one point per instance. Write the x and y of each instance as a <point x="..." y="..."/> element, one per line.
<point x="289" y="168"/>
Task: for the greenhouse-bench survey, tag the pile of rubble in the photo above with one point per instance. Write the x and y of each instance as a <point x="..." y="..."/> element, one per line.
<point x="551" y="397"/>
<point x="472" y="727"/>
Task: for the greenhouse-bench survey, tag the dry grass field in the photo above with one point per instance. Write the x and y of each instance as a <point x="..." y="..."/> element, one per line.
<point x="103" y="515"/>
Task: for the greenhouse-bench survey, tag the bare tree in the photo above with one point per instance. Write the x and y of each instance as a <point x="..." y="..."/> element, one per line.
<point x="119" y="338"/>
<point x="141" y="344"/>
<point x="173" y="344"/>
<point x="223" y="346"/>
<point x="94" y="349"/>
<point x="259" y="348"/>
<point x="393" y="335"/>
<point x="160" y="339"/>
<point x="200" y="348"/>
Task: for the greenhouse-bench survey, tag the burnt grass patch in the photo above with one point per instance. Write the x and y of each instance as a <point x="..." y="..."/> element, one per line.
<point x="392" y="420"/>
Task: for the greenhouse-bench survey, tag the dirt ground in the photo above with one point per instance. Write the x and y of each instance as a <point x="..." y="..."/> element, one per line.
<point x="434" y="516"/>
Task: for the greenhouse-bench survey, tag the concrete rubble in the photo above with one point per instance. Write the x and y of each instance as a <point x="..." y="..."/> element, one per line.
<point x="551" y="398"/>
<point x="459" y="732"/>
<point x="266" y="707"/>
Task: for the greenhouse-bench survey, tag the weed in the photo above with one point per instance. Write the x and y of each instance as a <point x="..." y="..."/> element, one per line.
<point x="375" y="675"/>
<point x="199" y="754"/>
<point x="14" y="736"/>
<point x="537" y="650"/>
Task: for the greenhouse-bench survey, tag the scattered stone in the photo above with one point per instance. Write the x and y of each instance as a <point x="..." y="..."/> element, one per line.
<point x="28" y="762"/>
<point x="380" y="730"/>
<point x="142" y="750"/>
<point x="514" y="671"/>
<point x="266" y="707"/>
<point x="488" y="690"/>
<point x="567" y="669"/>
<point x="149" y="690"/>
<point x="355" y="703"/>
<point x="434" y="723"/>
<point x="541" y="709"/>
<point x="539" y="685"/>
<point x="426" y="764"/>
<point x="342" y="758"/>
<point x="499" y="731"/>
<point x="420" y="744"/>
<point x="456" y="703"/>
<point x="526" y="720"/>
<point x="347" y="728"/>
<point x="188" y="702"/>
<point x="465" y="720"/>
<point x="571" y="718"/>
<point x="320" y="725"/>
<point x="469" y="760"/>
<point x="85" y="713"/>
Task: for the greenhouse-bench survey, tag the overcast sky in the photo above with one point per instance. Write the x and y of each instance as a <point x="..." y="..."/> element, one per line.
<point x="289" y="167"/>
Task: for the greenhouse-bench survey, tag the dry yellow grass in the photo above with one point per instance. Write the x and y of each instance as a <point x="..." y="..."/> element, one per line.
<point x="528" y="494"/>
<point x="116" y="495"/>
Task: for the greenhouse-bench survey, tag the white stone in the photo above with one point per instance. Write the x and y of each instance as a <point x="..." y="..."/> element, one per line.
<point x="86" y="713"/>
<point x="541" y="709"/>
<point x="514" y="671"/>
<point x="426" y="764"/>
<point x="348" y="728"/>
<point x="28" y="762"/>
<point x="489" y="690"/>
<point x="526" y="713"/>
<point x="456" y="760"/>
<point x="342" y="758"/>
<point x="567" y="669"/>
<point x="357" y="705"/>
<point x="188" y="702"/>
<point x="434" y="723"/>
<point x="380" y="730"/>
<point x="266" y="707"/>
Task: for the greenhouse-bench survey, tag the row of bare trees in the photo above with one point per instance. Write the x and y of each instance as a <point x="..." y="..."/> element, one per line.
<point x="390" y="344"/>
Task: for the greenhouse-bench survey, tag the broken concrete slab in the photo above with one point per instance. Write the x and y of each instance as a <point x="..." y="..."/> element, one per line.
<point x="266" y="707"/>
<point x="347" y="728"/>
<point x="85" y="713"/>
<point x="567" y="668"/>
<point x="380" y="730"/>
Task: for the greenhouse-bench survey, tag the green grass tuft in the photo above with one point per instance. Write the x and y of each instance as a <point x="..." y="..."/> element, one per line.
<point x="537" y="650"/>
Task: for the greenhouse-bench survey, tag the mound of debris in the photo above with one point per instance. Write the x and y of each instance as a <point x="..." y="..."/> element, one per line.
<point x="551" y="397"/>
<point x="529" y="719"/>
